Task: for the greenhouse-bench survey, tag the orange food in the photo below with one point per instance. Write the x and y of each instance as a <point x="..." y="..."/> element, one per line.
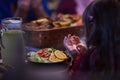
<point x="53" y="58"/>
<point x="60" y="55"/>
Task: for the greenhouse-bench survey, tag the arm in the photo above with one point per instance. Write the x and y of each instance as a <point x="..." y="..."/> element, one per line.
<point x="77" y="49"/>
<point x="38" y="9"/>
<point x="22" y="10"/>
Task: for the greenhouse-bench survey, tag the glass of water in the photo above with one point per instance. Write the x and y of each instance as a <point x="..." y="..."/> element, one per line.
<point x="13" y="49"/>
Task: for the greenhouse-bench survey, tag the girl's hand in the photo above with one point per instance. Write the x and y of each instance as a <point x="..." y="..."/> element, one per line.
<point x="68" y="43"/>
<point x="74" y="44"/>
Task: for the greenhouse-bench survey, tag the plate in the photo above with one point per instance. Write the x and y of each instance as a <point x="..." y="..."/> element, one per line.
<point x="48" y="56"/>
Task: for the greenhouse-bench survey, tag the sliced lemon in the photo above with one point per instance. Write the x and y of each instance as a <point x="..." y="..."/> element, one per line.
<point x="61" y="55"/>
<point x="53" y="58"/>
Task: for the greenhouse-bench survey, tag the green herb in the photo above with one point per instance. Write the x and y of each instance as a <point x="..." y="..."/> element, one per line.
<point x="53" y="50"/>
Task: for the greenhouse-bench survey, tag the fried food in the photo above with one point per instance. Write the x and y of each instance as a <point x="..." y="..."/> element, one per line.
<point x="61" y="20"/>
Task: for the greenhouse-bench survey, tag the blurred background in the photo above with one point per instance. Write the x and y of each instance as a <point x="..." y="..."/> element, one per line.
<point x="9" y="8"/>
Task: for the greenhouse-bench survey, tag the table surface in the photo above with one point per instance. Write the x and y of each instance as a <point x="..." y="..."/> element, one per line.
<point x="40" y="72"/>
<point x="32" y="71"/>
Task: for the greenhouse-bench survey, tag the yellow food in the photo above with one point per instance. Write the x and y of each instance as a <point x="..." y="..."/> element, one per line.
<point x="42" y="20"/>
<point x="53" y="58"/>
<point x="65" y="23"/>
<point x="60" y="55"/>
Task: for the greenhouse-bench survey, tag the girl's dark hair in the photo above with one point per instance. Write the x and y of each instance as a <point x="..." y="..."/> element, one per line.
<point x="102" y="23"/>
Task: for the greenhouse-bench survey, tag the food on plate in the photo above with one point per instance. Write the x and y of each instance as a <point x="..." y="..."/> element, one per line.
<point x="43" y="20"/>
<point x="53" y="58"/>
<point x="60" y="54"/>
<point x="34" y="57"/>
<point x="68" y="20"/>
<point x="42" y="23"/>
<point x="65" y="23"/>
<point x="61" y="20"/>
<point x="56" y="24"/>
<point x="47" y="55"/>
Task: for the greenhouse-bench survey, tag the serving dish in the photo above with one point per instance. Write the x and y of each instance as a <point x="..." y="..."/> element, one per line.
<point x="48" y="56"/>
<point x="45" y="32"/>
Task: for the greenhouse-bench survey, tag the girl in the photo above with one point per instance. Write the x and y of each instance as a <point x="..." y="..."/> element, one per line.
<point x="102" y="23"/>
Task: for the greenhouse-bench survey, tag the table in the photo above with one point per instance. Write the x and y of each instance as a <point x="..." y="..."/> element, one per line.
<point x="31" y="71"/>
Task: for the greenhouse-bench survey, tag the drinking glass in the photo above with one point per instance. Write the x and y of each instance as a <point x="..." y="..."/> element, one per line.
<point x="13" y="49"/>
